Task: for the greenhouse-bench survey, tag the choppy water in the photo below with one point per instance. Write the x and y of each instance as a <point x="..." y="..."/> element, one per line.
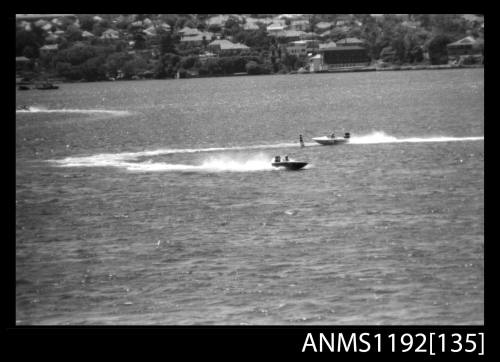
<point x="154" y="202"/>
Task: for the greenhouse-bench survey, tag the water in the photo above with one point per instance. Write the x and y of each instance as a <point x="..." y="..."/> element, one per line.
<point x="154" y="202"/>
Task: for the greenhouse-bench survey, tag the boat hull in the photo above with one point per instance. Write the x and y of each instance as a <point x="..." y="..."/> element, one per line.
<point x="290" y="165"/>
<point x="327" y="141"/>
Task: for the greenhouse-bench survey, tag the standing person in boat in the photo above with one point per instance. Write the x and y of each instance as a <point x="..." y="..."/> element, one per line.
<point x="333" y="135"/>
<point x="286" y="158"/>
<point x="301" y="141"/>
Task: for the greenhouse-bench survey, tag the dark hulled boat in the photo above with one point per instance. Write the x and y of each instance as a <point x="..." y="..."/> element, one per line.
<point x="288" y="164"/>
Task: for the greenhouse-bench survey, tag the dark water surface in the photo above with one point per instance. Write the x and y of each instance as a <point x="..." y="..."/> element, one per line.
<point x="154" y="202"/>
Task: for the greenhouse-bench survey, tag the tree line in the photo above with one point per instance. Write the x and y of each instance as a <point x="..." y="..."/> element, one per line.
<point x="165" y="57"/>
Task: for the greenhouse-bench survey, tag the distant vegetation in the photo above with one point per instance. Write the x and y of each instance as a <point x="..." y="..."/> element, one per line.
<point x="84" y="54"/>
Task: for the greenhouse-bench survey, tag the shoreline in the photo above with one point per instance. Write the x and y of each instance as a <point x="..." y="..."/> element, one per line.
<point x="396" y="68"/>
<point x="338" y="70"/>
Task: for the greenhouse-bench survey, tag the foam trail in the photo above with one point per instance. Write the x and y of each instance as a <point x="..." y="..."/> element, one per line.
<point x="381" y="137"/>
<point x="259" y="162"/>
<point x="110" y="159"/>
<point x="214" y="164"/>
<point x="66" y="110"/>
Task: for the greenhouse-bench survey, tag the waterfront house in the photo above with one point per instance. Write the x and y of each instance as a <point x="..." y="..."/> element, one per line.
<point x="302" y="47"/>
<point x="23" y="63"/>
<point x="388" y="55"/>
<point x="465" y="46"/>
<point x="344" y="56"/>
<point x="315" y="63"/>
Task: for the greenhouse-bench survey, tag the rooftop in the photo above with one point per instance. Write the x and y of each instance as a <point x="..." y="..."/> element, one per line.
<point x="465" y="41"/>
<point x="225" y="44"/>
<point x="347" y="41"/>
<point x="341" y="49"/>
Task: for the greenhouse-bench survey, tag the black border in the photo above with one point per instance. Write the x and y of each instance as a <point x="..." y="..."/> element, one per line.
<point x="179" y="342"/>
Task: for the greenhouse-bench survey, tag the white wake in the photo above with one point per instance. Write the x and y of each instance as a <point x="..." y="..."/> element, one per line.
<point x="33" y="109"/>
<point x="261" y="162"/>
<point x="381" y="137"/>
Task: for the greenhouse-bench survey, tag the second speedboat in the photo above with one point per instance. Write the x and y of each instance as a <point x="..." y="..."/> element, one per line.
<point x="331" y="140"/>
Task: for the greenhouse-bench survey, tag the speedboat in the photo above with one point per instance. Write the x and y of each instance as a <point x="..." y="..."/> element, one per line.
<point x="331" y="140"/>
<point x="287" y="164"/>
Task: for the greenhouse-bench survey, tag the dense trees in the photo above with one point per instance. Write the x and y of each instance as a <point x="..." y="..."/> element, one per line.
<point x="438" y="53"/>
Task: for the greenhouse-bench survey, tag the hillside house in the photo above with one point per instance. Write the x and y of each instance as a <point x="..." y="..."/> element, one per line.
<point x="302" y="25"/>
<point x="343" y="19"/>
<point x="197" y="38"/>
<point x="48" y="49"/>
<point x="350" y="42"/>
<point x="224" y="47"/>
<point x="87" y="35"/>
<point x="323" y="26"/>
<point x="473" y="18"/>
<point x="250" y="26"/>
<point x="206" y="56"/>
<point x="291" y="35"/>
<point x="275" y="29"/>
<point x="218" y="20"/>
<point x="110" y="34"/>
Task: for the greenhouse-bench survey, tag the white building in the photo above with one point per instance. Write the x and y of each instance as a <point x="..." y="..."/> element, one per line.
<point x="315" y="63"/>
